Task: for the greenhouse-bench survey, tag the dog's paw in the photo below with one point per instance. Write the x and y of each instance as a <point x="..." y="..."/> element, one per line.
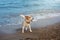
<point x="30" y="30"/>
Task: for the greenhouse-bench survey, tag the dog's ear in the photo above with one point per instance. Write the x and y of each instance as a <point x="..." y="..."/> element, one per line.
<point x="22" y="16"/>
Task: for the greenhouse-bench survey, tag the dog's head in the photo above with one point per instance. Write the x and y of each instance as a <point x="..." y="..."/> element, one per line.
<point x="28" y="18"/>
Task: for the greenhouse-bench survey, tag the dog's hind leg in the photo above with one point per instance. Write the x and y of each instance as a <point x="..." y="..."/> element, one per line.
<point x="23" y="29"/>
<point x="30" y="28"/>
<point x="26" y="28"/>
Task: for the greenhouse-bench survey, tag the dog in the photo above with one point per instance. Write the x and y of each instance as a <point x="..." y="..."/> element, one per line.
<point x="26" y="23"/>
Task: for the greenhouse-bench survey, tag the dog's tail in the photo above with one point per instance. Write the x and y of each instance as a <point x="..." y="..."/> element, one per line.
<point x="22" y="16"/>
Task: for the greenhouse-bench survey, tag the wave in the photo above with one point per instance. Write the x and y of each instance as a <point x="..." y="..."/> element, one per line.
<point x="18" y="20"/>
<point x="44" y="16"/>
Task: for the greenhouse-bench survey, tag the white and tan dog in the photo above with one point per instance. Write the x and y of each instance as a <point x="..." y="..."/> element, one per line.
<point x="26" y="23"/>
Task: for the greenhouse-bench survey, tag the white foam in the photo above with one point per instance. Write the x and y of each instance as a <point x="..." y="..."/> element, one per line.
<point x="13" y="24"/>
<point x="19" y="20"/>
<point x="50" y="15"/>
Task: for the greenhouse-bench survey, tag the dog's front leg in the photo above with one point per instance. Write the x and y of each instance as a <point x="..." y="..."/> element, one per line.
<point x="23" y="29"/>
<point x="30" y="28"/>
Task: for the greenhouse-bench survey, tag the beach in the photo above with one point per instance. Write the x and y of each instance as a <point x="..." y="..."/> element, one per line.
<point x="49" y="32"/>
<point x="46" y="24"/>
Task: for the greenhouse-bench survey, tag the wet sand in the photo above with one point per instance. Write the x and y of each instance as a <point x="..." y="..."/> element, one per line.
<point x="50" y="32"/>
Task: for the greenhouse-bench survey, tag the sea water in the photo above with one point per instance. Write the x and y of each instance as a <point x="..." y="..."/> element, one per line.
<point x="10" y="11"/>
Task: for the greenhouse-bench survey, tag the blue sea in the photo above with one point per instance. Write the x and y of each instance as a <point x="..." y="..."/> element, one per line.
<point x="10" y="10"/>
